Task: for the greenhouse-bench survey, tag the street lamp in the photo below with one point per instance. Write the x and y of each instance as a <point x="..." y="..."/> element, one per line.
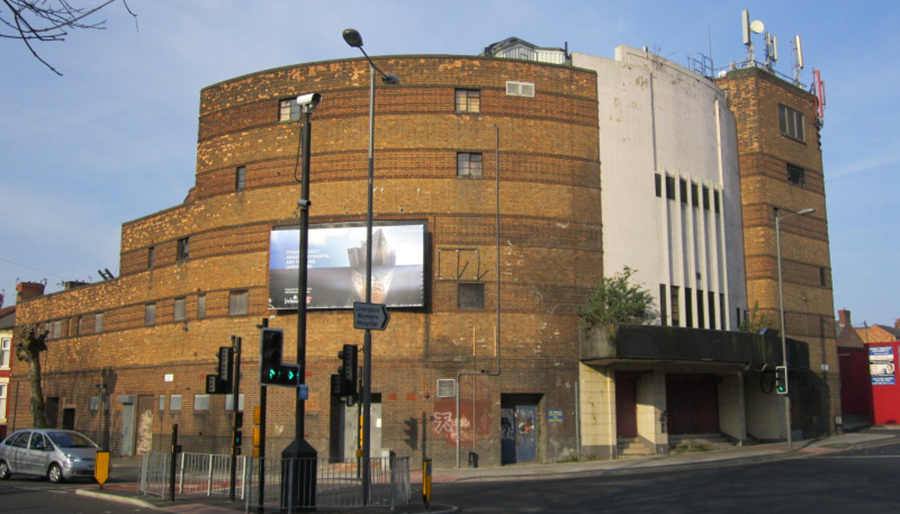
<point x="299" y="458"/>
<point x="354" y="39"/>
<point x="784" y="361"/>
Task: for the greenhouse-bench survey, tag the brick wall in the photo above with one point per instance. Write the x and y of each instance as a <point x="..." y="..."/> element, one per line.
<point x="550" y="254"/>
<point x="754" y="96"/>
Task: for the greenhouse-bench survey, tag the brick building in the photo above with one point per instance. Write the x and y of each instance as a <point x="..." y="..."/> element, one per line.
<point x="497" y="160"/>
<point x="778" y="126"/>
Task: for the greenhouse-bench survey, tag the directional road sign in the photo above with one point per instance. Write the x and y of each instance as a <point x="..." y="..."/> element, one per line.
<point x="370" y="316"/>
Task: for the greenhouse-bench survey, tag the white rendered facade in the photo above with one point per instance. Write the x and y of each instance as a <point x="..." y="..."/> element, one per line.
<point x="671" y="205"/>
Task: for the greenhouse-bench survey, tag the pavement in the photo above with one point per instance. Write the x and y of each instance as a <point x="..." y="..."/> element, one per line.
<point x="122" y="485"/>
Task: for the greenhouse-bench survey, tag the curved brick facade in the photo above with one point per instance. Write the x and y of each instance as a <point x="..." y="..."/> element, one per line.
<point x="550" y="257"/>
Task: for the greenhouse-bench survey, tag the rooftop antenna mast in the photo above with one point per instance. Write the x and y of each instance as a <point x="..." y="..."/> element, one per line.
<point x="749" y="27"/>
<point x="798" y="59"/>
<point x="771" y="51"/>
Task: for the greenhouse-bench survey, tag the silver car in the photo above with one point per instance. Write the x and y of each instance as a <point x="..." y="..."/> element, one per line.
<point x="56" y="454"/>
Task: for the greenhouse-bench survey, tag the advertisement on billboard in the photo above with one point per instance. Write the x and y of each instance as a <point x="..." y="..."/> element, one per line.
<point x="881" y="365"/>
<point x="336" y="265"/>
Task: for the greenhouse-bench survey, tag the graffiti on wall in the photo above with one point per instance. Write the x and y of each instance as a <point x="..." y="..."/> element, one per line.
<point x="473" y="423"/>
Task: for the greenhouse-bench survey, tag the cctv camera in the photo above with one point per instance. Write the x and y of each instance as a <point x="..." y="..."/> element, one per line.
<point x="309" y="101"/>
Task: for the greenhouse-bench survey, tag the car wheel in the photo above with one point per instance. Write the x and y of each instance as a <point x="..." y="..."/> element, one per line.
<point x="55" y="474"/>
<point x="4" y="470"/>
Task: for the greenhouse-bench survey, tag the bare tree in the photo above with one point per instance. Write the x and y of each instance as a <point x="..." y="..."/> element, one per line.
<point x="31" y="342"/>
<point x="45" y="21"/>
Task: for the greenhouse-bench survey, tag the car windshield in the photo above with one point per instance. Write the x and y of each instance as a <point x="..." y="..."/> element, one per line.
<point x="70" y="440"/>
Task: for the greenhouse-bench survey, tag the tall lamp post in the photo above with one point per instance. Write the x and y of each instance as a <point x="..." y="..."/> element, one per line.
<point x="354" y="39"/>
<point x="299" y="458"/>
<point x="784" y="357"/>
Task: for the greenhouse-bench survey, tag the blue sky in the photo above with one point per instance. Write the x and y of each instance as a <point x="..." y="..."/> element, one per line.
<point x="114" y="139"/>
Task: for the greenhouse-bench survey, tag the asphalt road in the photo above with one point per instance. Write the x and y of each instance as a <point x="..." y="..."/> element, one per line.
<point x="36" y="496"/>
<point x="838" y="483"/>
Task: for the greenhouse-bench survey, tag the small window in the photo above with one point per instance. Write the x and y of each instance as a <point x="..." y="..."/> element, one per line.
<point x="179" y="309"/>
<point x="288" y="110"/>
<point x="79" y="325"/>
<point x="98" y="322"/>
<point x="94" y="403"/>
<point x="446" y="388"/>
<point x="57" y="329"/>
<point x="705" y="198"/>
<point x="796" y="175"/>
<point x="468" y="100"/>
<point x="162" y="402"/>
<point x="658" y="183"/>
<point x="716" y="201"/>
<point x="673" y="296"/>
<point x="663" y="311"/>
<point x="670" y="187"/>
<point x="150" y="314"/>
<point x="3" y="401"/>
<point x="240" y="178"/>
<point x="701" y="318"/>
<point x="520" y="89"/>
<point x="695" y="196"/>
<point x="470" y="296"/>
<point x="201" y="306"/>
<point x="175" y="402"/>
<point x="5" y="348"/>
<point x="183" y="249"/>
<point x="712" y="310"/>
<point x="201" y="402"/>
<point x="791" y="122"/>
<point x="237" y="303"/>
<point x="684" y="190"/>
<point x="689" y="307"/>
<point x="823" y="277"/>
<point x="468" y="164"/>
<point x="229" y="402"/>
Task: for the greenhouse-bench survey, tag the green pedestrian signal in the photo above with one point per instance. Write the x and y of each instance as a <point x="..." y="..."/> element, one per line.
<point x="781" y="380"/>
<point x="271" y="369"/>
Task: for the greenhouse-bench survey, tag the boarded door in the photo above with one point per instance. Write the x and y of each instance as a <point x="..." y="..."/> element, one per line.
<point x="693" y="404"/>
<point x="626" y="405"/>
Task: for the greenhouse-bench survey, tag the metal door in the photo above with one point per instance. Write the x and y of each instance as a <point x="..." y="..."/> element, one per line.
<point x="526" y="433"/>
<point x="126" y="448"/>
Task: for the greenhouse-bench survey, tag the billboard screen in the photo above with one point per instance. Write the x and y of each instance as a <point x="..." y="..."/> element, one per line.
<point x="336" y="265"/>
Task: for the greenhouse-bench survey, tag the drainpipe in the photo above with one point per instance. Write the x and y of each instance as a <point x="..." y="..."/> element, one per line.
<point x="485" y="372"/>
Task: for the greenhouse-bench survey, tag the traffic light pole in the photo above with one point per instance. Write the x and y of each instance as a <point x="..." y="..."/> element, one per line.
<point x="235" y="403"/>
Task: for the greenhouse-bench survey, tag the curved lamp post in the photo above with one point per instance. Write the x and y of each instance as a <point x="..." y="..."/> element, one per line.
<point x="354" y="39"/>
<point x="784" y="360"/>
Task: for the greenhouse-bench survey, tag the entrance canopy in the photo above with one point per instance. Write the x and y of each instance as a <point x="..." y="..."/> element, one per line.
<point x="610" y="344"/>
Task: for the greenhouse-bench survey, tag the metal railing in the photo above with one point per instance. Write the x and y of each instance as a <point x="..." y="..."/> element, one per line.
<point x="195" y="474"/>
<point x="334" y="484"/>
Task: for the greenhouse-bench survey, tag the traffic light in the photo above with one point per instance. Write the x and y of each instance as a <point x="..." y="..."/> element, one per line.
<point x="239" y="419"/>
<point x="348" y="371"/>
<point x="238" y="438"/>
<point x="781" y="380"/>
<point x="344" y="383"/>
<point x="226" y="363"/>
<point x="220" y="383"/>
<point x="271" y="370"/>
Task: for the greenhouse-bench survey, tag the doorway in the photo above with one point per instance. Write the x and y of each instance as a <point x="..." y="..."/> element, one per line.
<point x="519" y="428"/>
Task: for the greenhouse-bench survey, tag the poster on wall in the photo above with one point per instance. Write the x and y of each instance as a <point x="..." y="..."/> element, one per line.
<point x="881" y="365"/>
<point x="336" y="265"/>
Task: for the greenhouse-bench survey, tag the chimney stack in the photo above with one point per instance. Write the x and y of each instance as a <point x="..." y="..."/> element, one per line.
<point x="844" y="318"/>
<point x="27" y="290"/>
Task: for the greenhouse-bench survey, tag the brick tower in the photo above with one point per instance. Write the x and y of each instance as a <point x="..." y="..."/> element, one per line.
<point x="780" y="160"/>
